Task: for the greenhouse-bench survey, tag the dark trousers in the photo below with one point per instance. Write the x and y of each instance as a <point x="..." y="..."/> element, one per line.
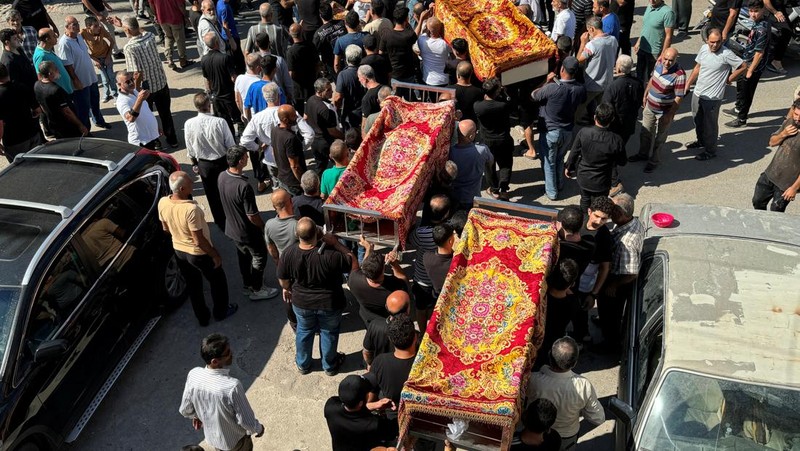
<point x="322" y="155"/>
<point x="499" y="174"/>
<point x="152" y="145"/>
<point x="162" y="102"/>
<point x="252" y="258"/>
<point x="238" y="57"/>
<point x="615" y="178"/>
<point x="587" y="196"/>
<point x="611" y="310"/>
<point x="80" y="98"/>
<point x="259" y="172"/>
<point x="683" y="13"/>
<point x="580" y="319"/>
<point x="94" y="104"/>
<point x="783" y="39"/>
<point x="196" y="267"/>
<point x="226" y="108"/>
<point x="766" y="190"/>
<point x="625" y="40"/>
<point x="745" y="90"/>
<point x="706" y="122"/>
<point x="645" y="63"/>
<point x="209" y="173"/>
<point x="301" y="94"/>
<point x="547" y="10"/>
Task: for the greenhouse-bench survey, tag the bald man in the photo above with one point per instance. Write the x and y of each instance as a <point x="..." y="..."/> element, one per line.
<point x="311" y="277"/>
<point x="288" y="150"/>
<point x="302" y="58"/>
<point x="434" y="52"/>
<point x="185" y="221"/>
<point x="471" y="159"/>
<point x="280" y="232"/>
<point x="243" y="81"/>
<point x="375" y="340"/>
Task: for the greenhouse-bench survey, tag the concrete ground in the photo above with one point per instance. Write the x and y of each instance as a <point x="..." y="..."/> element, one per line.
<point x="141" y="411"/>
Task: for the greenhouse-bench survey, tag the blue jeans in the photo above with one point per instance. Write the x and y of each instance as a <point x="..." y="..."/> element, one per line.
<point x="94" y="104"/>
<point x="327" y="323"/>
<point x="108" y="79"/>
<point x="82" y="102"/>
<point x="553" y="145"/>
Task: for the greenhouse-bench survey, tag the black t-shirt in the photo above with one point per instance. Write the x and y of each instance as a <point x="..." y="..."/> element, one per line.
<point x="350" y="88"/>
<point x="388" y="374"/>
<point x="317" y="276"/>
<point x="581" y="251"/>
<point x="466" y="96"/>
<point x="624" y="13"/>
<point x="326" y="36"/>
<point x="437" y="265"/>
<point x="17" y="103"/>
<point x="369" y="103"/>
<point x="96" y="4"/>
<point x="280" y="15"/>
<point x="355" y="431"/>
<point x="239" y="201"/>
<point x="32" y="12"/>
<point x="375" y="340"/>
<point x="308" y="207"/>
<point x="624" y="94"/>
<point x="493" y="116"/>
<point x="20" y="68"/>
<point x="308" y="10"/>
<point x="603" y="243"/>
<point x="560" y="312"/>
<point x="320" y="118"/>
<point x="372" y="301"/>
<point x="398" y="46"/>
<point x="302" y="59"/>
<point x="285" y="145"/>
<point x="53" y="99"/>
<point x="552" y="442"/>
<point x="721" y="10"/>
<point x="217" y="69"/>
<point x="380" y="64"/>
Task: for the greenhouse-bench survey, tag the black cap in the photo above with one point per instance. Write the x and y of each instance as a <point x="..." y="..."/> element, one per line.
<point x="571" y="65"/>
<point x="353" y="389"/>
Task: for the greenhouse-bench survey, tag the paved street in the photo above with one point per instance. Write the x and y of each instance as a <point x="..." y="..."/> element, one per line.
<point x="141" y="411"/>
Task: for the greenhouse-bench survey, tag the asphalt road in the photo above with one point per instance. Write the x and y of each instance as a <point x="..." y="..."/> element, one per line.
<point x="141" y="411"/>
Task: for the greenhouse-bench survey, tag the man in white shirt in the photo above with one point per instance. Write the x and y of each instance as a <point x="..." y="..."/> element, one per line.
<point x="207" y="138"/>
<point x="434" y="52"/>
<point x="216" y="402"/>
<point x="132" y="106"/>
<point x="573" y="395"/>
<point x="208" y="24"/>
<point x="243" y="81"/>
<point x="564" y="23"/>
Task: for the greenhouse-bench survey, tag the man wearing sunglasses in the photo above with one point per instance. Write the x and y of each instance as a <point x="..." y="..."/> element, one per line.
<point x="132" y="106"/>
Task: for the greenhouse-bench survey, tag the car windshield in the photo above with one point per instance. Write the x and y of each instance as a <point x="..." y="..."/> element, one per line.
<point x="9" y="298"/>
<point x="693" y="413"/>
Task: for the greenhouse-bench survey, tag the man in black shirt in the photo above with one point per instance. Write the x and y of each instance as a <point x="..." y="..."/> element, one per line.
<point x="219" y="74"/>
<point x="349" y="91"/>
<point x="371" y="286"/>
<point x="326" y="36"/>
<point x="595" y="153"/>
<point x="467" y="94"/>
<point x="369" y="103"/>
<point x="389" y="371"/>
<point x="562" y="304"/>
<point x="308" y="10"/>
<point x="321" y="116"/>
<point x="398" y="45"/>
<point x="311" y="278"/>
<point x="723" y="17"/>
<point x="538" y="435"/>
<point x="376" y="340"/>
<point x="571" y="244"/>
<point x="493" y="114"/>
<point x="34" y="14"/>
<point x="56" y="103"/>
<point x="288" y="150"/>
<point x="303" y="61"/>
<point x="624" y="11"/>
<point x="351" y="423"/>
<point x="437" y="263"/>
<point x="379" y="63"/>
<point x="623" y="94"/>
<point x="309" y="204"/>
<point x="20" y="68"/>
<point x="283" y="16"/>
<point x="460" y="53"/>
<point x="243" y="224"/>
<point x="19" y="129"/>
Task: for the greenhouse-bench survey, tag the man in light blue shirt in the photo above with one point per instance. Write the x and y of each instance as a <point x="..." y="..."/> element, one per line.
<point x="471" y="160"/>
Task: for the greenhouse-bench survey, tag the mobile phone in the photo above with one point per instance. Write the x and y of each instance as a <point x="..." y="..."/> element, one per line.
<point x="146" y="84"/>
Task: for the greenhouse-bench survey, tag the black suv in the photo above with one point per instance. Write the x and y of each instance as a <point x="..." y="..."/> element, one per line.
<point x="85" y="269"/>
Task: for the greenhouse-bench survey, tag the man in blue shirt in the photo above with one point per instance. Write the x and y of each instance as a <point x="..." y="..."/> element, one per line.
<point x="354" y="36"/>
<point x="230" y="34"/>
<point x="44" y="52"/>
<point x="755" y="55"/>
<point x="602" y="8"/>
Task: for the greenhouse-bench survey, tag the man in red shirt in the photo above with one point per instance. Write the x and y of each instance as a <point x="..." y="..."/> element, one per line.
<point x="171" y="15"/>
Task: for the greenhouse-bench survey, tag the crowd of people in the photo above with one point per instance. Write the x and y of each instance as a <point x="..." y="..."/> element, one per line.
<point x="303" y="82"/>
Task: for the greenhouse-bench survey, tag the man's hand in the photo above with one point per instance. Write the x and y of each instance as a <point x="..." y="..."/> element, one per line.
<point x="585" y="38"/>
<point x="143" y="95"/>
<point x="330" y="239"/>
<point x="77" y="85"/>
<point x="262" y="431"/>
<point x="196" y="169"/>
<point x="588" y="302"/>
<point x="550" y="77"/>
<point x="382" y="404"/>
<point x="116" y="21"/>
<point x="636" y="47"/>
<point x="287" y="296"/>
<point x="96" y="63"/>
<point x="197" y="424"/>
<point x="368" y="247"/>
<point x="790" y="193"/>
<point x="84" y="131"/>
<point x="780" y="17"/>
<point x="392" y="258"/>
<point x="217" y="260"/>
<point x="790" y="130"/>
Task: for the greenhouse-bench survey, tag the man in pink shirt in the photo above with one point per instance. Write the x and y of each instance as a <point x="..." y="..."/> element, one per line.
<point x="171" y="15"/>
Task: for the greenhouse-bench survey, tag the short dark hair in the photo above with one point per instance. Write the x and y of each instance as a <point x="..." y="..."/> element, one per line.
<point x="604" y="4"/>
<point x="325" y="11"/>
<point x="370" y="42"/>
<point x="604" y="114"/>
<point x="401" y="331"/>
<point x="90" y="20"/>
<point x="201" y="99"/>
<point x="213" y="347"/>
<point x="400" y="15"/>
<point x="378" y="7"/>
<point x="372" y="266"/>
<point x="571" y="218"/>
<point x="440" y="208"/>
<point x="234" y="155"/>
<point x="460" y="45"/>
<point x="602" y="203"/>
<point x="442" y="233"/>
<point x="796" y="103"/>
<point x="564" y="43"/>
<point x="262" y="41"/>
<point x="351" y="20"/>
<point x="352" y="138"/>
<point x="563" y="275"/>
<point x="458" y="221"/>
<point x="758" y="4"/>
<point x="492" y="86"/>
<point x="6" y="34"/>
<point x="268" y="64"/>
<point x="192" y="448"/>
<point x="564" y="353"/>
<point x="540" y="416"/>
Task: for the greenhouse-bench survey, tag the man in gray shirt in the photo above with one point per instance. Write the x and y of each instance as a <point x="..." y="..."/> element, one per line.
<point x="598" y="54"/>
<point x="716" y="66"/>
<point x="280" y="233"/>
<point x="471" y="160"/>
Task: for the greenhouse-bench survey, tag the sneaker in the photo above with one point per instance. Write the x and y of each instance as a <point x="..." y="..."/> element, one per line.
<point x="694" y="145"/>
<point x="174" y="145"/>
<point x="732" y="112"/>
<point x="503" y="195"/>
<point x="736" y="123"/>
<point x="336" y="365"/>
<point x="778" y="70"/>
<point x="705" y="156"/>
<point x="637" y="157"/>
<point x="247" y="291"/>
<point x="232" y="308"/>
<point x="492" y="194"/>
<point x="616" y="189"/>
<point x="186" y="63"/>
<point x="262" y="186"/>
<point x="650" y="168"/>
<point x="108" y="99"/>
<point x="264" y="293"/>
<point x="119" y="55"/>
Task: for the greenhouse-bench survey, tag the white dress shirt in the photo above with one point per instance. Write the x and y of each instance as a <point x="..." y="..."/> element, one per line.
<point x="219" y="401"/>
<point x="259" y="131"/>
<point x="207" y="137"/>
<point x="564" y="24"/>
<point x="434" y="53"/>
<point x="573" y="396"/>
<point x="145" y="128"/>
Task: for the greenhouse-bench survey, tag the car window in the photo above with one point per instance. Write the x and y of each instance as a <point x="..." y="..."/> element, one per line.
<point x="651" y="291"/>
<point x="647" y="360"/>
<point x="650" y="330"/>
<point x="107" y="231"/>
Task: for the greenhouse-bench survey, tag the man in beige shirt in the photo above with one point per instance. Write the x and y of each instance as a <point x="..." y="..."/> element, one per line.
<point x="185" y="221"/>
<point x="573" y="395"/>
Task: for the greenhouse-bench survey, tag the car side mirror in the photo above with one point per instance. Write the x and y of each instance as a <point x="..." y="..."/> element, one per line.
<point x="622" y="410"/>
<point x="50" y="350"/>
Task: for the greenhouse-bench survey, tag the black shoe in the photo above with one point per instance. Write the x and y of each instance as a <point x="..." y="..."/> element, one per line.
<point x="736" y="123"/>
<point x="705" y="156"/>
<point x="119" y="55"/>
<point x="174" y="145"/>
<point x="732" y="112"/>
<point x="303" y="371"/>
<point x="694" y="145"/>
<point x="232" y="308"/>
<point x="637" y="157"/>
<point x="336" y="365"/>
<point x="104" y="125"/>
<point x="650" y="168"/>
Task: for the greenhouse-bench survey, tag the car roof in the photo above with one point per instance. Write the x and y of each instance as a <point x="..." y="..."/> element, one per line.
<point x="40" y="191"/>
<point x="732" y="305"/>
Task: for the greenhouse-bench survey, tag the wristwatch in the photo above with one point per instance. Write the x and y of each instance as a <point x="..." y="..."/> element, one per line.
<point x="134" y="113"/>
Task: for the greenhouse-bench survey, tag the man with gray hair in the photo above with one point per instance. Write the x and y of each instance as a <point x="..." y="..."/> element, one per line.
<point x="309" y="204"/>
<point x="565" y="22"/>
<point x="572" y="394"/>
<point x="219" y="74"/>
<point x="369" y="103"/>
<point x="139" y="119"/>
<point x="185" y="222"/>
<point x="278" y="37"/>
<point x="628" y="236"/>
<point x="208" y="24"/>
<point x="321" y="116"/>
<point x="624" y="94"/>
<point x="383" y="93"/>
<point x="349" y="90"/>
<point x="598" y="54"/>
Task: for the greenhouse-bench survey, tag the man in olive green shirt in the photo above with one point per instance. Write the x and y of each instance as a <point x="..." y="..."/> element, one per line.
<point x="657" y="25"/>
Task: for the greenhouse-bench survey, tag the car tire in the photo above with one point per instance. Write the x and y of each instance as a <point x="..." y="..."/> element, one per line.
<point x="172" y="284"/>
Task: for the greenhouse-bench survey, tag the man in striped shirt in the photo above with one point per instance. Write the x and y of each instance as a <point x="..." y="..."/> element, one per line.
<point x="663" y="96"/>
<point x="216" y="402"/>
